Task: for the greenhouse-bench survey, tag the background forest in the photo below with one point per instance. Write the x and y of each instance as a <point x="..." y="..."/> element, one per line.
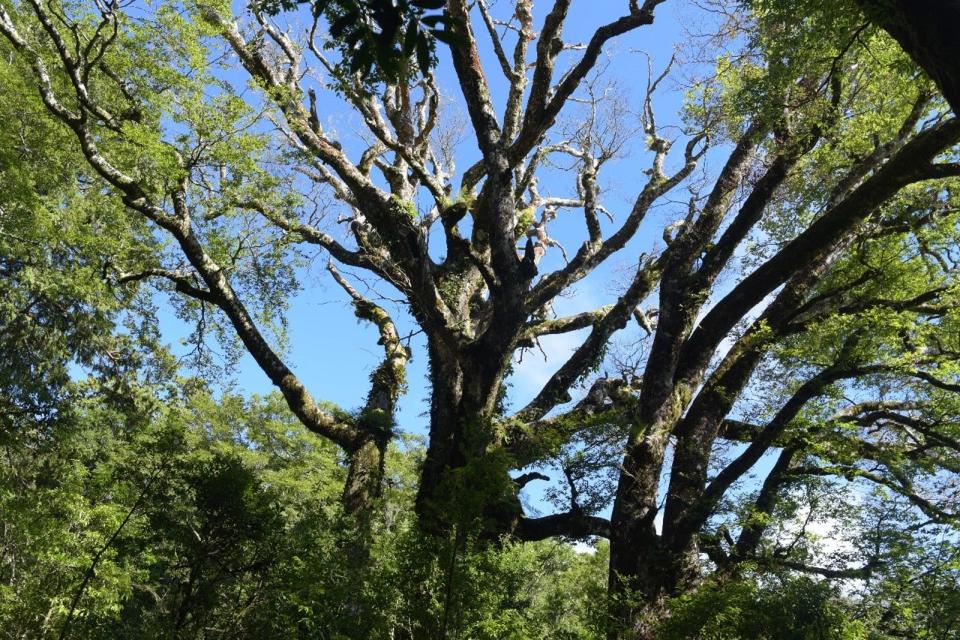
<point x="653" y="306"/>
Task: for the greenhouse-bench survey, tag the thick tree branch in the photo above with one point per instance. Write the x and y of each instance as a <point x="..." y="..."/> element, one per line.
<point x="924" y="28"/>
<point x="557" y="389"/>
<point x="473" y="81"/>
<point x="566" y="324"/>
<point x="910" y="165"/>
<point x="763" y="506"/>
<point x="572" y="524"/>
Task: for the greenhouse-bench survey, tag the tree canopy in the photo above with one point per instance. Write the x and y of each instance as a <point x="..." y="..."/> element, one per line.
<point x="756" y="430"/>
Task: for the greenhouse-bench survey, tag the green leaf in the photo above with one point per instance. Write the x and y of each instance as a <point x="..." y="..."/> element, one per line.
<point x="342" y="23"/>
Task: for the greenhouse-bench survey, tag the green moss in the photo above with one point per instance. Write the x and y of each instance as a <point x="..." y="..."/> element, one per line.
<point x="336" y="411"/>
<point x="378" y="420"/>
<point x="450" y="288"/>
<point x="524" y="220"/>
<point x="404" y="207"/>
<point x="465" y="198"/>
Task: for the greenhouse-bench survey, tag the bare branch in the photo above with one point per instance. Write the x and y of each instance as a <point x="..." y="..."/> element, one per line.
<point x="556" y="390"/>
<point x="566" y="324"/>
<point x="183" y="282"/>
<point x="544" y="105"/>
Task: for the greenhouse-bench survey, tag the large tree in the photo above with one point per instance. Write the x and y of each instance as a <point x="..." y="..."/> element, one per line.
<point x="798" y="320"/>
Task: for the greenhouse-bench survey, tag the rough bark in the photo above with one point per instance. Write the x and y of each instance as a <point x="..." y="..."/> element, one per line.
<point x="927" y="30"/>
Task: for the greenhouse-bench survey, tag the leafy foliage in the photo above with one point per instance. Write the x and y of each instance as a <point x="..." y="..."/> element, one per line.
<point x="381" y="40"/>
<point x="796" y="609"/>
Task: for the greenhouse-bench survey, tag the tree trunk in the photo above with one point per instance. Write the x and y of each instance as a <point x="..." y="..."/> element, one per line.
<point x="927" y="30"/>
<point x="364" y="479"/>
<point x="361" y="492"/>
<point x="644" y="573"/>
<point x="443" y="449"/>
<point x="636" y="576"/>
<point x="643" y="570"/>
<point x="461" y="483"/>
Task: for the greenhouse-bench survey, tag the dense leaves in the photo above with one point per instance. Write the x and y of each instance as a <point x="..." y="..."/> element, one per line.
<point x="388" y="40"/>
